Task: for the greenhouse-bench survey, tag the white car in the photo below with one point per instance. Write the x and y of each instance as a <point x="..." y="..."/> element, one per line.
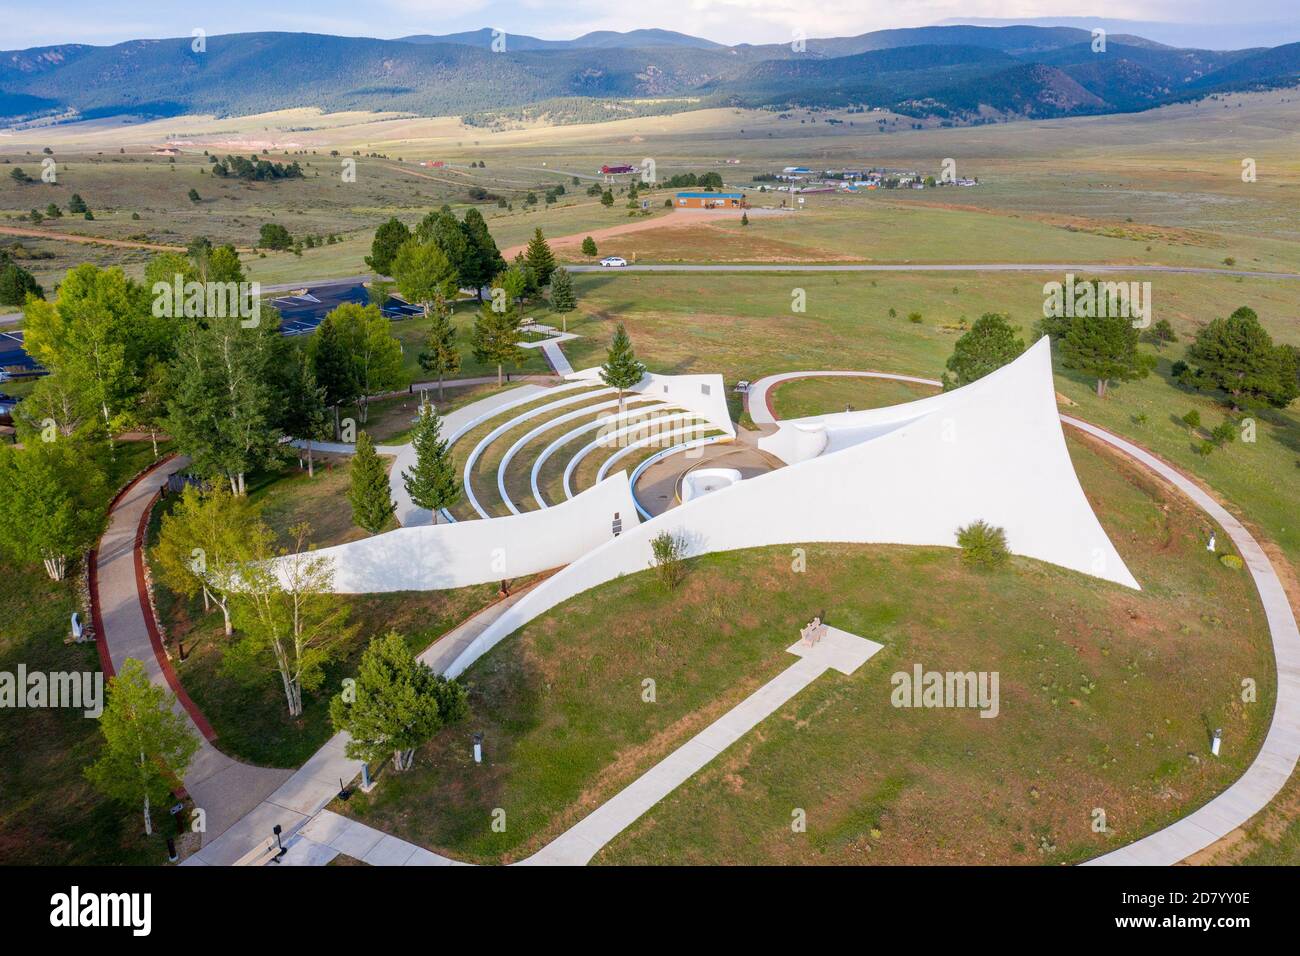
<point x="613" y="262"/>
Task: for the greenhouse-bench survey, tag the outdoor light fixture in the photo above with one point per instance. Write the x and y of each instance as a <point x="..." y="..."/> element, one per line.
<point x="478" y="748"/>
<point x="1214" y="744"/>
<point x="282" y="848"/>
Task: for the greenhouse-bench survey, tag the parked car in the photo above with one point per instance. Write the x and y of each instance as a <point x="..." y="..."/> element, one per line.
<point x="613" y="262"/>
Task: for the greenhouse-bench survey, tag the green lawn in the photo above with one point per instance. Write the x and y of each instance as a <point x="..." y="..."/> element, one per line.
<point x="1105" y="693"/>
<point x="802" y="397"/>
<point x="49" y="813"/>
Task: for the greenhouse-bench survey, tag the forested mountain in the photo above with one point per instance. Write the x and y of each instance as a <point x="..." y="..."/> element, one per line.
<point x="956" y="72"/>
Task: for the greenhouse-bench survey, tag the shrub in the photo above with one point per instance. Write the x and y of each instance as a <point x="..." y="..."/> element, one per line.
<point x="914" y="317"/>
<point x="1231" y="561"/>
<point x="1223" y="434"/>
<point x="983" y="545"/>
<point x="1192" y="419"/>
<point x="1203" y="448"/>
<point x="669" y="552"/>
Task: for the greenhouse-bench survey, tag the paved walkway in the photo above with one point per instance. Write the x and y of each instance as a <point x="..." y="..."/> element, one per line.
<point x="328" y="834"/>
<point x="838" y="650"/>
<point x="555" y="356"/>
<point x="305" y="794"/>
<point x="222" y="787"/>
<point x="1280" y="752"/>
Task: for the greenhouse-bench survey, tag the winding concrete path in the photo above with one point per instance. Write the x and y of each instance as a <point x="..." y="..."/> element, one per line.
<point x="223" y="788"/>
<point x="1277" y="758"/>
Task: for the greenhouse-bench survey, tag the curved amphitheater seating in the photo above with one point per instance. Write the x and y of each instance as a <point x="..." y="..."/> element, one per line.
<point x="655" y="423"/>
<point x="510" y="425"/>
<point x="541" y="429"/>
<point x="911" y="474"/>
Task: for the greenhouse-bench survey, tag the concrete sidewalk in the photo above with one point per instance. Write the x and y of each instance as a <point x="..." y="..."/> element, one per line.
<point x="305" y="794"/>
<point x="221" y="786"/>
<point x="838" y="650"/>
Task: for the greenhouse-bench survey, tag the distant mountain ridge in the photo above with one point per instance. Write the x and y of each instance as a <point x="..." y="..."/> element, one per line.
<point x="960" y="73"/>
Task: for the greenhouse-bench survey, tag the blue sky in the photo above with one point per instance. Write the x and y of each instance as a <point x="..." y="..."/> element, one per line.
<point x="728" y="21"/>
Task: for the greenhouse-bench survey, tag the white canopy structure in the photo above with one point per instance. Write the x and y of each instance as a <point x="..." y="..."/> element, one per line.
<point x="909" y="474"/>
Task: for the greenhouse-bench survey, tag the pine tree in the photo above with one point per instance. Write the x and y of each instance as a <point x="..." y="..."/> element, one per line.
<point x="487" y="258"/>
<point x="1105" y="347"/>
<point x="147" y="744"/>
<point x="440" y="356"/>
<point x="304" y="414"/>
<point x="1237" y="355"/>
<point x="399" y="703"/>
<point x="540" y="259"/>
<point x="991" y="343"/>
<point x="621" y="369"/>
<point x="563" y="299"/>
<point x="369" y="495"/>
<point x="589" y="246"/>
<point x="389" y="237"/>
<point x="496" y="338"/>
<point x="332" y="367"/>
<point x="433" y="483"/>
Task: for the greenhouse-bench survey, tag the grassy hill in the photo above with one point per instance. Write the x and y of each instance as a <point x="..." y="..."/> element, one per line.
<point x="954" y="72"/>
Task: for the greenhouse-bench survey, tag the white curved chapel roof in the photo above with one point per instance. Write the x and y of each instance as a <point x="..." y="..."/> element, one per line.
<point x="907" y="474"/>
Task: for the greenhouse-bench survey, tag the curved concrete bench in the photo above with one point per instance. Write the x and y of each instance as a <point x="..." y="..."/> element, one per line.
<point x="569" y="436"/>
<point x="604" y="441"/>
<point x="639" y="470"/>
<point x="512" y="423"/>
<point x="646" y="442"/>
<point x="541" y="430"/>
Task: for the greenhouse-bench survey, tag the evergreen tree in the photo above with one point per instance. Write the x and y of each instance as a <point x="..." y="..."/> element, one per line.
<point x="1238" y="356"/>
<point x="540" y="259"/>
<point x="16" y="283"/>
<point x="990" y="344"/>
<point x="563" y="299"/>
<point x="444" y="229"/>
<point x="399" y="704"/>
<point x="589" y="246"/>
<point x="496" y="338"/>
<point x="1162" y="333"/>
<point x="304" y="412"/>
<point x="440" y="355"/>
<point x="389" y="237"/>
<point x="333" y="368"/>
<point x="1106" y="348"/>
<point x="76" y="203"/>
<point x="369" y="495"/>
<point x="433" y="483"/>
<point x="487" y="259"/>
<point x="621" y="369"/>
<point x="147" y="744"/>
<point x="607" y="199"/>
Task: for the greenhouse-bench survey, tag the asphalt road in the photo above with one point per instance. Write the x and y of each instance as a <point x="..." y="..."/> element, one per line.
<point x="1081" y="268"/>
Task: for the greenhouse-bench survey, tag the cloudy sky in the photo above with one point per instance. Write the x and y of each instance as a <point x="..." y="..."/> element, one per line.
<point x="727" y="21"/>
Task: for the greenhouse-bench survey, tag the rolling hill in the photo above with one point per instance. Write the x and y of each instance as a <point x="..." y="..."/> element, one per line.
<point x="958" y="73"/>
